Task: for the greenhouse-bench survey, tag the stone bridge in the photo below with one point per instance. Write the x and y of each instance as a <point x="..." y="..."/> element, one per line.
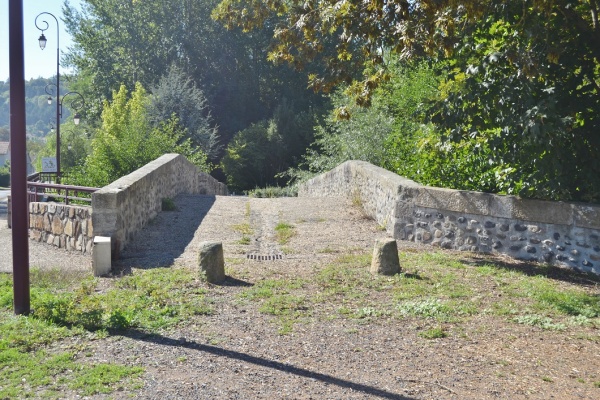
<point x="558" y="233"/>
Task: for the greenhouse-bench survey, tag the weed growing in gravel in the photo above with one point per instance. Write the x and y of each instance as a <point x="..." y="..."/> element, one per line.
<point x="245" y="240"/>
<point x="275" y="299"/>
<point x="539" y="321"/>
<point x="284" y="232"/>
<point x="434" y="333"/>
<point x="168" y="204"/>
<point x="243" y="228"/>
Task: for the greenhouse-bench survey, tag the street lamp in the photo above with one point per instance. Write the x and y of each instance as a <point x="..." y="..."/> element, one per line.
<point x="75" y="104"/>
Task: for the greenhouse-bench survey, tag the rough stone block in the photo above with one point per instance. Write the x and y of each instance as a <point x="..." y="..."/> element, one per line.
<point x="385" y="259"/>
<point x="454" y="200"/>
<point x="586" y="216"/>
<point x="57" y="227"/>
<point x="212" y="262"/>
<point x="540" y="211"/>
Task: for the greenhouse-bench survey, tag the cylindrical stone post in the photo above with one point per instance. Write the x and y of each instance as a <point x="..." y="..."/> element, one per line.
<point x="211" y="262"/>
<point x="385" y="258"/>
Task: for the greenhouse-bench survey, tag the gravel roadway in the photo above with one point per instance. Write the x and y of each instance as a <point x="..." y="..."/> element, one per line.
<point x="237" y="352"/>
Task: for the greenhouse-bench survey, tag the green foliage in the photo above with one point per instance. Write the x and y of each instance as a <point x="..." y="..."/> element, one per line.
<point x="127" y="141"/>
<point x="388" y="134"/>
<point x="176" y="95"/>
<point x="273" y="191"/>
<point x="5" y="175"/>
<point x="258" y="155"/>
<point x="433" y="333"/>
<point x="167" y="204"/>
<point x="38" y="113"/>
<point x="284" y="232"/>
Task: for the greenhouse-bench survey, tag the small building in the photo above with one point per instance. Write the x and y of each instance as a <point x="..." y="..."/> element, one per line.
<point x="5" y="156"/>
<point x="4" y="153"/>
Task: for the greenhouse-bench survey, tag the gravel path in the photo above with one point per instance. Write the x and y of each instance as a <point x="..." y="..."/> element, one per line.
<point x="40" y="255"/>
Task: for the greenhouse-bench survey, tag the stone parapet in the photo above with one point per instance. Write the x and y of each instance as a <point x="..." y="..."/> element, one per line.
<point x="558" y="233"/>
<point x="125" y="206"/>
<point x="67" y="227"/>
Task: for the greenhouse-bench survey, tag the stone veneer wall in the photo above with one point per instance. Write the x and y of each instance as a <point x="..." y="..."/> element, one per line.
<point x="559" y="233"/>
<point x="65" y="226"/>
<point x="126" y="205"/>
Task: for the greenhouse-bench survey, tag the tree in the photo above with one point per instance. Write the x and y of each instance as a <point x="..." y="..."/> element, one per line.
<point x="124" y="41"/>
<point x="177" y="95"/>
<point x="259" y="154"/>
<point x="127" y="141"/>
<point x="362" y="31"/>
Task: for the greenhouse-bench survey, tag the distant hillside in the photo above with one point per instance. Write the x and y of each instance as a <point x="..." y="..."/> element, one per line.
<point x="39" y="114"/>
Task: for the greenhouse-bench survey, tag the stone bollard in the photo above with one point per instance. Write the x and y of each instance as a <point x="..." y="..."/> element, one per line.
<point x="211" y="261"/>
<point x="101" y="261"/>
<point x="385" y="258"/>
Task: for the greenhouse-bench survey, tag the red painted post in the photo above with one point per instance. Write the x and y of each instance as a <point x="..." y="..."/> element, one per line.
<point x="18" y="157"/>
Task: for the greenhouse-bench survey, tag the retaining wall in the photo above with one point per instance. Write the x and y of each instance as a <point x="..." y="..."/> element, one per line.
<point x="64" y="226"/>
<point x="559" y="233"/>
<point x="125" y="206"/>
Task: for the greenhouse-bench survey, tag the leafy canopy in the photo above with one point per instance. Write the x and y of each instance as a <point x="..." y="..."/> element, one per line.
<point x="127" y="141"/>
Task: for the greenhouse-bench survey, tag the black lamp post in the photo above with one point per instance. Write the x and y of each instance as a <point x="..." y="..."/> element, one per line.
<point x="75" y="104"/>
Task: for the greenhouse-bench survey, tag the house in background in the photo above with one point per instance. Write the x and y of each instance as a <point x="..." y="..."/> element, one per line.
<point x="5" y="156"/>
<point x="4" y="153"/>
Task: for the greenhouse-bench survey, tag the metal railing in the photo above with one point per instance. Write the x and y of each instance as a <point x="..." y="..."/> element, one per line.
<point x="42" y="186"/>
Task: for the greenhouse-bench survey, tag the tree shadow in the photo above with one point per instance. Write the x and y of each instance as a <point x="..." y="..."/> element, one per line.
<point x="262" y="362"/>
<point x="165" y="238"/>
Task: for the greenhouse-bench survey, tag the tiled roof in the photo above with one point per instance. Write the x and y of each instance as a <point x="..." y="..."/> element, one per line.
<point x="4" y="147"/>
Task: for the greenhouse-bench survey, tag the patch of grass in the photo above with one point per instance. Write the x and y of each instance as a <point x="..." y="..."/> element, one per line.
<point x="428" y="308"/>
<point x="25" y="373"/>
<point x="245" y="240"/>
<point x="148" y="300"/>
<point x="168" y="204"/>
<point x="104" y="378"/>
<point x="273" y="191"/>
<point x="434" y="333"/>
<point x="243" y="228"/>
<point x="539" y="321"/>
<point x="547" y="379"/>
<point x="327" y="250"/>
<point x="597" y="384"/>
<point x="26" y="369"/>
<point x="284" y="232"/>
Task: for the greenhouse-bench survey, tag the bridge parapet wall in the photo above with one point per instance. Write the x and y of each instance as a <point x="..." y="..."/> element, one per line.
<point x="125" y="206"/>
<point x="67" y="227"/>
<point x="558" y="233"/>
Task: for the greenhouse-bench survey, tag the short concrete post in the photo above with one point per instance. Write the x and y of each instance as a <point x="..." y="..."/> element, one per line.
<point x="9" y="212"/>
<point x="385" y="258"/>
<point x="101" y="261"/>
<point x="211" y="261"/>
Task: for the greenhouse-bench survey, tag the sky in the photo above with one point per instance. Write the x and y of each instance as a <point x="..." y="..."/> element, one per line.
<point x="38" y="63"/>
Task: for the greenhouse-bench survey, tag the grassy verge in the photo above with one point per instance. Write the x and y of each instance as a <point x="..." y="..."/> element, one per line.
<point x="438" y="291"/>
<point x="66" y="305"/>
<point x="437" y="295"/>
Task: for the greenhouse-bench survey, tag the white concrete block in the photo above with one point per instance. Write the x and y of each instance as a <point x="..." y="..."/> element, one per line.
<point x="101" y="255"/>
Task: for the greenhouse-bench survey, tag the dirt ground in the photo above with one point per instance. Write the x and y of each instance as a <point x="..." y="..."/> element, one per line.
<point x="239" y="353"/>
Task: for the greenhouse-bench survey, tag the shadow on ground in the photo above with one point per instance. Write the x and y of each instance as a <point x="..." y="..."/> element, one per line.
<point x="165" y="237"/>
<point x="535" y="269"/>
<point x="263" y="362"/>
